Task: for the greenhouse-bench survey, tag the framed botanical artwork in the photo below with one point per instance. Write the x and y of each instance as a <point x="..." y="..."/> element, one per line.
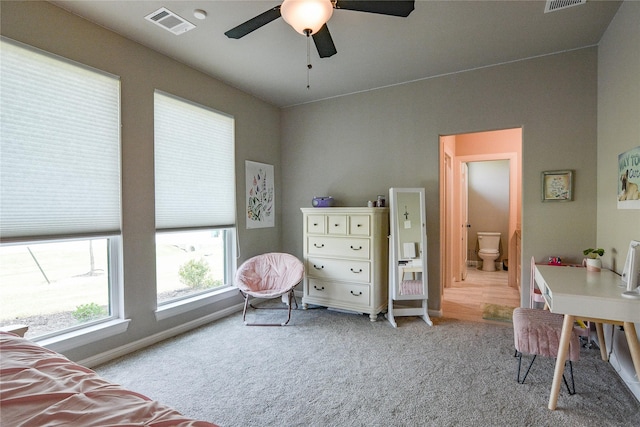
<point x="557" y="186"/>
<point x="260" y="195"/>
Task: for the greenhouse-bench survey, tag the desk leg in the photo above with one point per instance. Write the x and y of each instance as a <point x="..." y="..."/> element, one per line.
<point x="563" y="349"/>
<point x="634" y="346"/>
<point x="603" y="345"/>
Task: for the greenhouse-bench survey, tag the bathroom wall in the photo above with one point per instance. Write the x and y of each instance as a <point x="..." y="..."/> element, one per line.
<point x="488" y="203"/>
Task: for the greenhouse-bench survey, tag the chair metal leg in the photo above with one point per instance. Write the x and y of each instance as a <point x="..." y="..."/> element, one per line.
<point x="244" y="311"/>
<point x="291" y="298"/>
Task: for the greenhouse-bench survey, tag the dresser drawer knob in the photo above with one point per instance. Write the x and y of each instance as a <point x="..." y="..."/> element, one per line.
<point x="336" y="225"/>
<point x="356" y="271"/>
<point x="356" y="249"/>
<point x="359" y="225"/>
<point x="318" y="288"/>
<point x="318" y="246"/>
<point x="318" y="268"/>
<point x="356" y="294"/>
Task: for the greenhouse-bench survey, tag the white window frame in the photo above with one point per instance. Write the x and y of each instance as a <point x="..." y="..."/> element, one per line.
<point x="115" y="323"/>
<point x="179" y="306"/>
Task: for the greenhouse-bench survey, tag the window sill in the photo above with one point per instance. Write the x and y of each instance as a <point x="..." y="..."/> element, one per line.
<point x="183" y="306"/>
<point x="85" y="336"/>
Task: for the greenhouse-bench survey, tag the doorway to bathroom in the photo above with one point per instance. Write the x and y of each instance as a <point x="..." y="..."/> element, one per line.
<point x="480" y="191"/>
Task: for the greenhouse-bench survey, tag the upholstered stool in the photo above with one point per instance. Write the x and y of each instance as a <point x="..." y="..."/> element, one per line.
<point x="537" y="332"/>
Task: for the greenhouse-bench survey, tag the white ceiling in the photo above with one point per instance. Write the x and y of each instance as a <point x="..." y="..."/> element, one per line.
<point x="438" y="37"/>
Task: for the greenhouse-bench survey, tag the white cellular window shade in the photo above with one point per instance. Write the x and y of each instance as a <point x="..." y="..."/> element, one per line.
<point x="59" y="146"/>
<point x="194" y="165"/>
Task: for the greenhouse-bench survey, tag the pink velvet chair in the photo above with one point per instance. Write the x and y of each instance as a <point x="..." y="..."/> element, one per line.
<point x="266" y="276"/>
<point x="537" y="332"/>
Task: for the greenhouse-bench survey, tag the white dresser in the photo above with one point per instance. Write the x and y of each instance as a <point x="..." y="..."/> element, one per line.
<point x="346" y="258"/>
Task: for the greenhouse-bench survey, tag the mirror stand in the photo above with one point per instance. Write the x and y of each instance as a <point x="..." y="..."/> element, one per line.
<point x="407" y="255"/>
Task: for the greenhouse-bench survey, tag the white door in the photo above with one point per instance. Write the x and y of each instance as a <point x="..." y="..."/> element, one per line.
<point x="464" y="218"/>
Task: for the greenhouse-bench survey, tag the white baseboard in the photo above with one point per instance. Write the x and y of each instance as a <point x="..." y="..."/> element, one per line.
<point x="101" y="358"/>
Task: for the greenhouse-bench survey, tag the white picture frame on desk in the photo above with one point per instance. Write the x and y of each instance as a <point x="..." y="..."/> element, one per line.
<point x="631" y="271"/>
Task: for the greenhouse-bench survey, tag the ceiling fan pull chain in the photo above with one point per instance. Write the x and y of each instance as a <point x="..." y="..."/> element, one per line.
<point x="309" y="66"/>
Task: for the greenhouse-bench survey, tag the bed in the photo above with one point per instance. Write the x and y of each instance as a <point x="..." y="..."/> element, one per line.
<point x="39" y="387"/>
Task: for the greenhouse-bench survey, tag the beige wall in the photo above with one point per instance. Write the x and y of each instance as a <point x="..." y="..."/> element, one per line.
<point x="618" y="129"/>
<point x="142" y="71"/>
<point x="357" y="146"/>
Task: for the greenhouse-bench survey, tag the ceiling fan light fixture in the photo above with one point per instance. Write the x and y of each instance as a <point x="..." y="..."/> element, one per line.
<point x="305" y="15"/>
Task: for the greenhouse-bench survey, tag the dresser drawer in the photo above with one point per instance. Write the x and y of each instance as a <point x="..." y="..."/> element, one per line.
<point x="359" y="225"/>
<point x="337" y="224"/>
<point x="339" y="269"/>
<point x="316" y="224"/>
<point x="339" y="247"/>
<point x="349" y="293"/>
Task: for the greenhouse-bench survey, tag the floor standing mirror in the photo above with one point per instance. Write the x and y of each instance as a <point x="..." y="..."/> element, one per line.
<point x="407" y="255"/>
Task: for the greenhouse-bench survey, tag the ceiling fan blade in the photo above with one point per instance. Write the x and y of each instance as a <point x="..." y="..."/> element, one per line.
<point x="254" y="23"/>
<point x="394" y="8"/>
<point x="324" y="42"/>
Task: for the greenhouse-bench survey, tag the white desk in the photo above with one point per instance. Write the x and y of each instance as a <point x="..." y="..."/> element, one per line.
<point x="578" y="293"/>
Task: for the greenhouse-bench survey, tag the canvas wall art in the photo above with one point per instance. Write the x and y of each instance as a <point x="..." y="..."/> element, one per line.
<point x="260" y="195"/>
<point x="629" y="179"/>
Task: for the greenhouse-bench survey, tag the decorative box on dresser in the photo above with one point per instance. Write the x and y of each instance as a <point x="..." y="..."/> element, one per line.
<point x="346" y="259"/>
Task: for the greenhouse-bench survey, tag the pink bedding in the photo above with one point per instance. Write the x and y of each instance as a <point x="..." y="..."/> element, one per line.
<point x="39" y="387"/>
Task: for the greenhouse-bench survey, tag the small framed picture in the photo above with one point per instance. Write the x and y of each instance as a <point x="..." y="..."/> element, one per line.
<point x="557" y="186"/>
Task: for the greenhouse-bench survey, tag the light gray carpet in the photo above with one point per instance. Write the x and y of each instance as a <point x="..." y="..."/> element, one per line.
<point x="335" y="369"/>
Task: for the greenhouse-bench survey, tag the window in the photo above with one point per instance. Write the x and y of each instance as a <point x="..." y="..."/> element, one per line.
<point x="55" y="286"/>
<point x="195" y="198"/>
<point x="59" y="191"/>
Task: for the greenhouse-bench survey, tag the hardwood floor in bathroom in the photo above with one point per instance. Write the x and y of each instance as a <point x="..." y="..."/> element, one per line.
<point x="464" y="300"/>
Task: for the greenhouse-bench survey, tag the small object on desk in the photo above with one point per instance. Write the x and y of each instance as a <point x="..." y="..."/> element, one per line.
<point x="555" y="260"/>
<point x="631" y="271"/>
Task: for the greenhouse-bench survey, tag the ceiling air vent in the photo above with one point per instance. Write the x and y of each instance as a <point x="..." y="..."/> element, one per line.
<point x="168" y="20"/>
<point x="553" y="5"/>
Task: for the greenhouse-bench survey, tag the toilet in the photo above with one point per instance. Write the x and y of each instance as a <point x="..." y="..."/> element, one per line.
<point x="489" y="244"/>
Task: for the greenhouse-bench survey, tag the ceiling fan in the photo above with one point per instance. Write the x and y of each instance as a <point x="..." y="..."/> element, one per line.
<point x="309" y="17"/>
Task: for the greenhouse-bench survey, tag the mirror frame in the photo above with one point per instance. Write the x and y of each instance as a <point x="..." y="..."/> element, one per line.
<point x="395" y="246"/>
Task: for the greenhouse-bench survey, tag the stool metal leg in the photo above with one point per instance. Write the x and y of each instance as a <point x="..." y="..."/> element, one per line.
<point x="572" y="389"/>
<point x="520" y="364"/>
